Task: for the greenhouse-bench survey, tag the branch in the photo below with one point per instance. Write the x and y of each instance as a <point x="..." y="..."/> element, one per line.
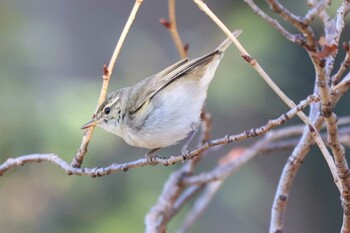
<point x="315" y="11"/>
<point x="171" y="25"/>
<point x="296" y="21"/>
<point x="344" y="134"/>
<point x="113" y="168"/>
<point x="274" y="23"/>
<point x="107" y="72"/>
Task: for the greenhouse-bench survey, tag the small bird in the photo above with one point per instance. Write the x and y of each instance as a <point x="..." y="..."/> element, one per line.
<point x="162" y="109"/>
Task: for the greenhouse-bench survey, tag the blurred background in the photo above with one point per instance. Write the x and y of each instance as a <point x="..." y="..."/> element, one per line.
<point x="51" y="59"/>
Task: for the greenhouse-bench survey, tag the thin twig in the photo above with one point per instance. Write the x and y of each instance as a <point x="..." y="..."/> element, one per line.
<point x="315" y="11"/>
<point x="344" y="134"/>
<point x="341" y="87"/>
<point x="274" y="23"/>
<point x="296" y="21"/>
<point x="296" y="159"/>
<point x="107" y="72"/>
<point x="344" y="65"/>
<point x="174" y="31"/>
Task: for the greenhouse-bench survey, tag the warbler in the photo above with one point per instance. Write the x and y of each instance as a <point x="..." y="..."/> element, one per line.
<point x="164" y="108"/>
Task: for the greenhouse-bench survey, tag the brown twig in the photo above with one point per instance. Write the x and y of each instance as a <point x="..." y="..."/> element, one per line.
<point x="107" y="72"/>
<point x="171" y="25"/>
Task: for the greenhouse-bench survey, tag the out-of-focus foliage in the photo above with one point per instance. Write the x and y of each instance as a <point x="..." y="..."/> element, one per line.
<point x="51" y="58"/>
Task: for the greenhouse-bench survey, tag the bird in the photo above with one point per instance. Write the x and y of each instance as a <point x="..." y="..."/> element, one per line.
<point x="163" y="109"/>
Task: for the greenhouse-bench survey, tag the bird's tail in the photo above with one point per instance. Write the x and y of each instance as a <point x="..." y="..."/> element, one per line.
<point x="226" y="43"/>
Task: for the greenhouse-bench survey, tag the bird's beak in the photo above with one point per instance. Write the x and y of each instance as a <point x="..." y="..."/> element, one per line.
<point x="89" y="124"/>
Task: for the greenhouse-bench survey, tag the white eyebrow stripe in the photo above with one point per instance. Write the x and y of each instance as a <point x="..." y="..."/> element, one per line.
<point x="115" y="100"/>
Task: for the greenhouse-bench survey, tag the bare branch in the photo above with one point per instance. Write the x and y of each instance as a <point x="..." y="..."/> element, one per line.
<point x="172" y="27"/>
<point x="113" y="168"/>
<point x="296" y="21"/>
<point x="79" y="157"/>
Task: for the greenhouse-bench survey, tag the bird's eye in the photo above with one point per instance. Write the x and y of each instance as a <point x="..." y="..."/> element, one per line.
<point x="107" y="110"/>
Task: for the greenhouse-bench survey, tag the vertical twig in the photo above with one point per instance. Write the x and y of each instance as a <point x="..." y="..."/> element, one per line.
<point x="171" y="25"/>
<point x="107" y="72"/>
<point x="174" y="31"/>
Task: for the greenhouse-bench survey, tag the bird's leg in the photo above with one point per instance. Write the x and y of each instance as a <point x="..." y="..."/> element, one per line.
<point x="149" y="156"/>
<point x="184" y="150"/>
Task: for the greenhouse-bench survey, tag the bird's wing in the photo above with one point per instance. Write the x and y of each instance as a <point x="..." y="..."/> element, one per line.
<point x="160" y="80"/>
